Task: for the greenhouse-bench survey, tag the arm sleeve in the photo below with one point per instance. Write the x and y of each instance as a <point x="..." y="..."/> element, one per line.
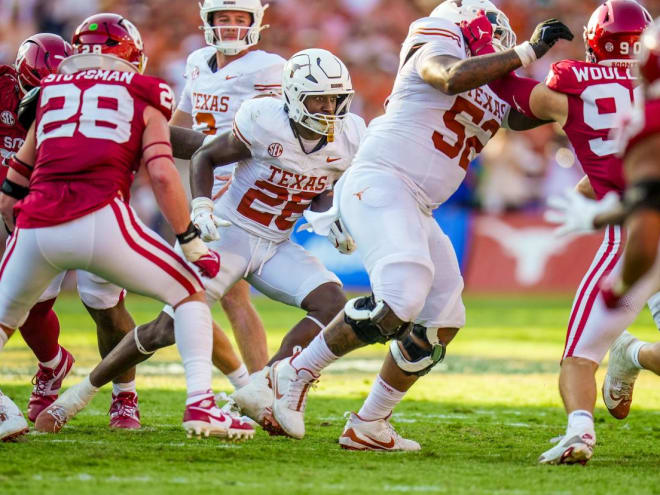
<point x="516" y="91"/>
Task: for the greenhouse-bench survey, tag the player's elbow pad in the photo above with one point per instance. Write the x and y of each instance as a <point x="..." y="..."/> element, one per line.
<point x="516" y="91"/>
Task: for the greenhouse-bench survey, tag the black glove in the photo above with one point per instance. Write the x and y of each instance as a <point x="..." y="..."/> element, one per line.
<point x="546" y="35"/>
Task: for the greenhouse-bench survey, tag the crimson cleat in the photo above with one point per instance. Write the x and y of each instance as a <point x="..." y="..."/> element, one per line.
<point x="47" y="383"/>
<point x="124" y="411"/>
<point x="203" y="418"/>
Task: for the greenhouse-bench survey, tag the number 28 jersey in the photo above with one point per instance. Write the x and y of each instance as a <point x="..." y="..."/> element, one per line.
<point x="270" y="191"/>
<point x="598" y="97"/>
<point x="89" y="128"/>
<point x="426" y="135"/>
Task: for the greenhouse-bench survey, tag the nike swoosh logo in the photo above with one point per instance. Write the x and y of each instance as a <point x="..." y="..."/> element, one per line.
<point x="276" y="391"/>
<point x="230" y="77"/>
<point x="330" y="160"/>
<point x="615" y="398"/>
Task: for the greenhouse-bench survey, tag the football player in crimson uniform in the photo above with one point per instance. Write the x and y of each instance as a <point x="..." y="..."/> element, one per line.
<point x="290" y="153"/>
<point x="38" y="56"/>
<point x="637" y="274"/>
<point x="75" y="212"/>
<point x="439" y="117"/>
<point x="219" y="77"/>
<point x="588" y="100"/>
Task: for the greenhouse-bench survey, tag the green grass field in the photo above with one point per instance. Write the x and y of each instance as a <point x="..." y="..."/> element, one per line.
<point x="482" y="417"/>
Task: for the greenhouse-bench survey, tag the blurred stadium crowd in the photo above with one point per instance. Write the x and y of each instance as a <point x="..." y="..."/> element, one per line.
<point x="517" y="170"/>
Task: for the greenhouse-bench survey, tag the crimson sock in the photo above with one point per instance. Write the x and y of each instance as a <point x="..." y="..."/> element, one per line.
<point x="41" y="331"/>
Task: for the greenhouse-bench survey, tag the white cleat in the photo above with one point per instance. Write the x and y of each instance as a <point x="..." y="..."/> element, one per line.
<point x="378" y="434"/>
<point x="290" y="388"/>
<point x="255" y="398"/>
<point x="572" y="448"/>
<point x="620" y="378"/>
<point x="71" y="402"/>
<point x="12" y="423"/>
<point x="230" y="408"/>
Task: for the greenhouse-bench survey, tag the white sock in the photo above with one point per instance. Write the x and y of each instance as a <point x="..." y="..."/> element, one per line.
<point x="633" y="352"/>
<point x="194" y="339"/>
<point x="53" y="362"/>
<point x="580" y="420"/>
<point x="118" y="388"/>
<point x="239" y="377"/>
<point x="3" y="338"/>
<point x="381" y="401"/>
<point x="316" y="356"/>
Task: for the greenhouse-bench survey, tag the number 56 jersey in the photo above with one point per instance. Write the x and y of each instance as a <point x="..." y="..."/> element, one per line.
<point x="270" y="191"/>
<point x="425" y="135"/>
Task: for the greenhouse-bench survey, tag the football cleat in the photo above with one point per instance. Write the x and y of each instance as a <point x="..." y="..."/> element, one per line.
<point x="47" y="383"/>
<point x="230" y="408"/>
<point x="202" y="418"/>
<point x="620" y="378"/>
<point x="290" y="388"/>
<point x="255" y="400"/>
<point x="124" y="411"/>
<point x="12" y="422"/>
<point x="572" y="448"/>
<point x="378" y="434"/>
<point x="73" y="400"/>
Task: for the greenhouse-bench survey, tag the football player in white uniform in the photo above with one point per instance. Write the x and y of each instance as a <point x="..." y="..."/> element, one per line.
<point x="290" y="153"/>
<point x="438" y="118"/>
<point x="220" y="77"/>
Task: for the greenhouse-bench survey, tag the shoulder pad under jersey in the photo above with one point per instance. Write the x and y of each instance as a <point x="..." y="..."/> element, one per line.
<point x="27" y="108"/>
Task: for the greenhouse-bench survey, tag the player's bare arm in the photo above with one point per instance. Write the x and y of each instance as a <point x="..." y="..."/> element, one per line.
<point x="185" y="141"/>
<point x="585" y="188"/>
<point x="453" y="76"/>
<point x="224" y="150"/>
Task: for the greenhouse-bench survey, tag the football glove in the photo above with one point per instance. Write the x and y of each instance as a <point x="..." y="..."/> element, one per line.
<point x="341" y="239"/>
<point x="575" y="213"/>
<point x="547" y="34"/>
<point x="479" y="34"/>
<point x="203" y="218"/>
<point x="195" y="251"/>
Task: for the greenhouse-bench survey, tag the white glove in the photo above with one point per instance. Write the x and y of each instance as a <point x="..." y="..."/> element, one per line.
<point x="204" y="219"/>
<point x="341" y="239"/>
<point x="575" y="213"/>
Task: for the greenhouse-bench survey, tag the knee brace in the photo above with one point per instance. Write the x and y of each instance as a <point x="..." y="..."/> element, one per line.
<point x="422" y="357"/>
<point x="365" y="315"/>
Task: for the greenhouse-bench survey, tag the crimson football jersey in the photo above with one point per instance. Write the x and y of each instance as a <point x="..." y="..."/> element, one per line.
<point x="89" y="129"/>
<point x="12" y="134"/>
<point x="598" y="97"/>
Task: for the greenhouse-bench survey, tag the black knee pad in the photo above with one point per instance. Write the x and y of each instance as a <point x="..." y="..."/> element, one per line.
<point x="644" y="194"/>
<point x="424" y="351"/>
<point x="365" y="315"/>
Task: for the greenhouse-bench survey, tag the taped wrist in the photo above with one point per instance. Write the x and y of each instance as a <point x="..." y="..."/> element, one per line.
<point x="423" y="350"/>
<point x="644" y="194"/>
<point x="526" y="53"/>
<point x="14" y="190"/>
<point x="201" y="203"/>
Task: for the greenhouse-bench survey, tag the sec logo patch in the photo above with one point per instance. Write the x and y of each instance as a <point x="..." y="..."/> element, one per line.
<point x="275" y="150"/>
<point x="7" y="118"/>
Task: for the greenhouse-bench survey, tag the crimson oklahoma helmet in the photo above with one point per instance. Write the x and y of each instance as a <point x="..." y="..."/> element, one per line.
<point x="649" y="57"/>
<point x="38" y="56"/>
<point x="110" y="34"/>
<point x="614" y="30"/>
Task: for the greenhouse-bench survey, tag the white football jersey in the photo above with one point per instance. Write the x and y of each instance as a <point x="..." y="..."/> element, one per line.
<point x="270" y="191"/>
<point x="426" y="135"/>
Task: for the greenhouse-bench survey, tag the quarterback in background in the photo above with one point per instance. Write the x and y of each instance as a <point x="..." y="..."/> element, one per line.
<point x="219" y="78"/>
<point x="588" y="99"/>
<point x="438" y="118"/>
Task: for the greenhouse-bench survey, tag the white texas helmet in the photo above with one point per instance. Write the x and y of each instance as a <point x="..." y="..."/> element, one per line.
<point x="316" y="72"/>
<point x="213" y="35"/>
<point x="466" y="10"/>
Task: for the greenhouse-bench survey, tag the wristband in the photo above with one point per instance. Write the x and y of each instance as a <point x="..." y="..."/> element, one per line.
<point x="202" y="202"/>
<point x="187" y="236"/>
<point x="20" y="166"/>
<point x="14" y="190"/>
<point x="526" y="53"/>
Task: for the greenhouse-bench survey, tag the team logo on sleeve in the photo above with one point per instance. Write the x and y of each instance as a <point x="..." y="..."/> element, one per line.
<point x="275" y="150"/>
<point x="7" y="118"/>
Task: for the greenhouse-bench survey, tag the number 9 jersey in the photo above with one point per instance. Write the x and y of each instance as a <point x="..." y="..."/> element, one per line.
<point x="599" y="96"/>
<point x="426" y="135"/>
<point x="89" y="129"/>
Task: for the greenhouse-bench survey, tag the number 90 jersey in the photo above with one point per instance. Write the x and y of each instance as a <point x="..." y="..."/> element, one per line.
<point x="270" y="191"/>
<point x="89" y="128"/>
<point x="426" y="135"/>
<point x="598" y="98"/>
<point x="214" y="97"/>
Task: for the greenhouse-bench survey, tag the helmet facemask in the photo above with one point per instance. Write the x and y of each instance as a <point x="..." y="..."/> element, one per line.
<point x="325" y="124"/>
<point x="246" y="36"/>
